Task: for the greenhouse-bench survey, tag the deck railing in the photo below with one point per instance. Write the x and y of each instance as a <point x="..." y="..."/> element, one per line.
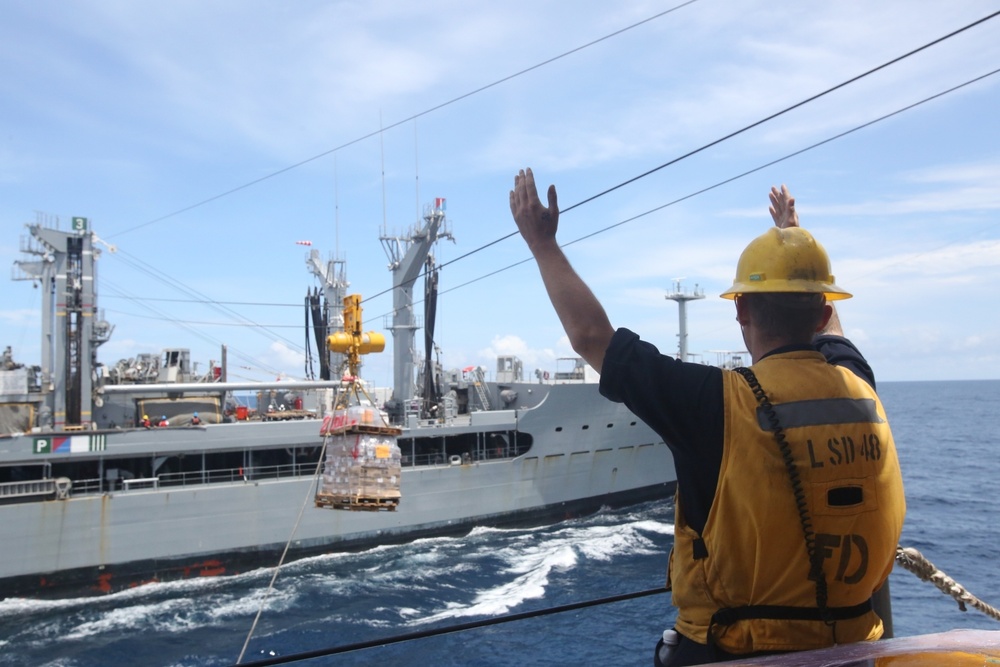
<point x="28" y="489"/>
<point x="36" y="489"/>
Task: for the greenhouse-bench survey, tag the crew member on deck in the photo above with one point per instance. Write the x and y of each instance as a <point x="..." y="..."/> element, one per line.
<point x="145" y="423"/>
<point x="195" y="420"/>
<point x="163" y="422"/>
<point x="789" y="497"/>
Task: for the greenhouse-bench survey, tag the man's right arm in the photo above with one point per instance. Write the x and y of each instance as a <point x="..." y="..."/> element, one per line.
<point x="581" y="314"/>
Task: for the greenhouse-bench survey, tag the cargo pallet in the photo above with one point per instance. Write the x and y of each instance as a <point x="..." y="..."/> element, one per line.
<point x="345" y="429"/>
<point x="356" y="503"/>
<point x="286" y="415"/>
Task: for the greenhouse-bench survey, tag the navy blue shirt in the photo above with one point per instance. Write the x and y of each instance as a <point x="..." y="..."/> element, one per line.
<point x="683" y="403"/>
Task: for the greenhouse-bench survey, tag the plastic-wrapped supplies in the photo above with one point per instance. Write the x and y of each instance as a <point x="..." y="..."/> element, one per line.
<point x="362" y="468"/>
<point x="355" y="415"/>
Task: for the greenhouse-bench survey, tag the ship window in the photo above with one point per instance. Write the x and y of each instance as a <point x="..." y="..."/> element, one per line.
<point x="558" y="429"/>
<point x="586" y="426"/>
<point x="610" y="425"/>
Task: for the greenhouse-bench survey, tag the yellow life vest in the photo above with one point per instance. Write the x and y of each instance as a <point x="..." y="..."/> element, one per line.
<point x="751" y="559"/>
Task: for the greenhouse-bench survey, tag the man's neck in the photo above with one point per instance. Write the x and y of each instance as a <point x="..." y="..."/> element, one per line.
<point x="762" y="348"/>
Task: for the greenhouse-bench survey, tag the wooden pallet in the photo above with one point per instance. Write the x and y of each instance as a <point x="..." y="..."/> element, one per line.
<point x="356" y="503"/>
<point x="286" y="415"/>
<point x="361" y="428"/>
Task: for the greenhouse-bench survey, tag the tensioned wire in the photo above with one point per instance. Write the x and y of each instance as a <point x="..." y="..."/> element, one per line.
<point x="702" y="191"/>
<point x="415" y="116"/>
<point x="907" y="557"/>
<point x="610" y="189"/>
<point x="156" y="273"/>
<point x="615" y="225"/>
<point x="735" y="133"/>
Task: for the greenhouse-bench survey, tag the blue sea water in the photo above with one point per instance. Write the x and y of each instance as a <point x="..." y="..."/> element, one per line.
<point x="947" y="442"/>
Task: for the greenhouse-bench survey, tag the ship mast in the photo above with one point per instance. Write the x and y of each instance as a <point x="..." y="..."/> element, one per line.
<point x="682" y="296"/>
<point x="332" y="276"/>
<point x="71" y="330"/>
<point x="406" y="258"/>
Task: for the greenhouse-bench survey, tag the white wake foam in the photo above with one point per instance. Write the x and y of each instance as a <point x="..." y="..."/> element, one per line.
<point x="531" y="557"/>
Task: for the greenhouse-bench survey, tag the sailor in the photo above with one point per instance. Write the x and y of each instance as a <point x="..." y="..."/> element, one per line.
<point x="195" y="420"/>
<point x="163" y="422"/>
<point x="790" y="500"/>
<point x="145" y="423"/>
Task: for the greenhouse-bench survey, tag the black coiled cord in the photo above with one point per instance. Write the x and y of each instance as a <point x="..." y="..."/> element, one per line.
<point x="815" y="563"/>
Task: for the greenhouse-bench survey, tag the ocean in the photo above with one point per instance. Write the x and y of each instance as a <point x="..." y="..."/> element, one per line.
<point x="946" y="439"/>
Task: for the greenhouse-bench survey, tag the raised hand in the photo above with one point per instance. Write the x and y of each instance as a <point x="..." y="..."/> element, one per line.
<point x="783" y="208"/>
<point x="535" y="221"/>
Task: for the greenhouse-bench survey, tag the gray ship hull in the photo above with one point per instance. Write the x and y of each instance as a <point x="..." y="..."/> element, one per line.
<point x="585" y="452"/>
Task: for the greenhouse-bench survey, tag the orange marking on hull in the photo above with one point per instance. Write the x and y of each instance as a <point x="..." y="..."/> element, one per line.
<point x="211" y="568"/>
<point x="104" y="583"/>
<point x="208" y="568"/>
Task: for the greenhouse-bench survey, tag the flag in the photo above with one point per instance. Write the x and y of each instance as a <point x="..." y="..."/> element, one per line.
<point x="69" y="444"/>
<point x="439" y="204"/>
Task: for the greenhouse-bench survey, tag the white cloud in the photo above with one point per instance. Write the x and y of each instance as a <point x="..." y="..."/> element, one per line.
<point x="279" y="355"/>
<point x="938" y="268"/>
<point x="19" y="316"/>
<point x="510" y="344"/>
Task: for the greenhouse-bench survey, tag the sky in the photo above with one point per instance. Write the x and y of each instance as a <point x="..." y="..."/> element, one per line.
<point x="203" y="140"/>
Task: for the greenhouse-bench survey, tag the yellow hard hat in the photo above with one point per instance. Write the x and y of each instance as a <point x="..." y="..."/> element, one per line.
<point x="785" y="260"/>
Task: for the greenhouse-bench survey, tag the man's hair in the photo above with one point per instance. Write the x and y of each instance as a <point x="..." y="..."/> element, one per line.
<point x="789" y="315"/>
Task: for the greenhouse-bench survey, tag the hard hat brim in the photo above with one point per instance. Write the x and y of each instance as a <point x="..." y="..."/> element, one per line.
<point x="831" y="291"/>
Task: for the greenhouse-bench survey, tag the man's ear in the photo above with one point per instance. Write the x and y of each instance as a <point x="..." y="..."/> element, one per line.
<point x="827" y="314"/>
<point x="742" y="312"/>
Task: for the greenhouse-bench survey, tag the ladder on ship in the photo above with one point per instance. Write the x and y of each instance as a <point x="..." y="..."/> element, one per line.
<point x="479" y="382"/>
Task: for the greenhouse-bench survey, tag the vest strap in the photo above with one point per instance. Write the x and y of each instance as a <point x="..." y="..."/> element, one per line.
<point x="731" y="615"/>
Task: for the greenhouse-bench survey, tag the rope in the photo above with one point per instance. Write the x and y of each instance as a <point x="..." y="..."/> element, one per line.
<point x="461" y="627"/>
<point x="277" y="568"/>
<point x="915" y="562"/>
<point x="340" y="402"/>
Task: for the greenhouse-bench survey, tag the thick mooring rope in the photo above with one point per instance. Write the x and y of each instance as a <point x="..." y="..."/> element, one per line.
<point x="915" y="562"/>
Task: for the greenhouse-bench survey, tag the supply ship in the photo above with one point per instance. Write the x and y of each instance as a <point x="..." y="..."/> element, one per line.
<point x="97" y="496"/>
